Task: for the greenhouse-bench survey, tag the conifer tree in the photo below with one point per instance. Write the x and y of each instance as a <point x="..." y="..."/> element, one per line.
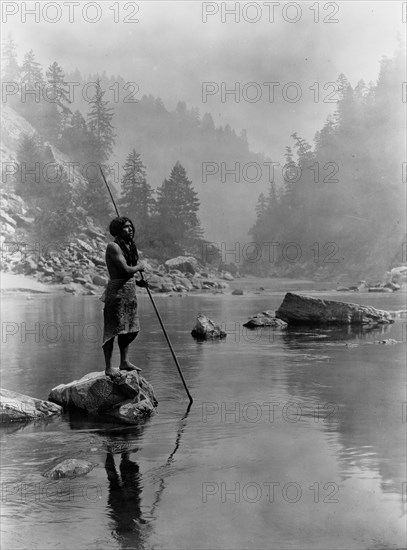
<point x="75" y="140"/>
<point x="100" y="126"/>
<point x="261" y="206"/>
<point x="136" y="198"/>
<point x="177" y="206"/>
<point x="57" y="87"/>
<point x="31" y="72"/>
<point x="10" y="67"/>
<point x="29" y="154"/>
<point x="101" y="134"/>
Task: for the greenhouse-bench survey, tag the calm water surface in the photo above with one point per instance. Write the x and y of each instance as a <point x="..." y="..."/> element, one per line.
<point x="295" y="439"/>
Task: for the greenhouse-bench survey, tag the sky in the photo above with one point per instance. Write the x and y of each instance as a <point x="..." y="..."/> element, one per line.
<point x="196" y="51"/>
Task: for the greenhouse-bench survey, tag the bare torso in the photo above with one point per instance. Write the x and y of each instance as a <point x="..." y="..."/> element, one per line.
<point x="116" y="263"/>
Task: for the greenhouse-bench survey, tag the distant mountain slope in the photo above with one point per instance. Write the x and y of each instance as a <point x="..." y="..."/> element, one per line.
<point x="163" y="137"/>
<point x="14" y="127"/>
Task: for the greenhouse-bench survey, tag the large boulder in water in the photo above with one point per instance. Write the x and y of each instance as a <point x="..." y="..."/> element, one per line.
<point x="206" y="329"/>
<point x="297" y="309"/>
<point x="17" y="407"/>
<point x="128" y="399"/>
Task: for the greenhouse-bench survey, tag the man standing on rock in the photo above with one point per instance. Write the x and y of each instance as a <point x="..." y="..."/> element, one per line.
<point x="120" y="312"/>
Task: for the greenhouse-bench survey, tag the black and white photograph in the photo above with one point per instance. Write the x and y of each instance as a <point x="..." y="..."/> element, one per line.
<point x="203" y="275"/>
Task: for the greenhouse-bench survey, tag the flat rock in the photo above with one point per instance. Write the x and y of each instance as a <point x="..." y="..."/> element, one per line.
<point x="297" y="309"/>
<point x="70" y="468"/>
<point x="17" y="407"/>
<point x="265" y="319"/>
<point x="206" y="329"/>
<point x="95" y="393"/>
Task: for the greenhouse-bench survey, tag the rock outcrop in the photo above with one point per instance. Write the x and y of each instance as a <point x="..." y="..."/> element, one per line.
<point x="397" y="275"/>
<point x="265" y="319"/>
<point x="297" y="309"/>
<point x="184" y="264"/>
<point x="206" y="329"/>
<point x="17" y="407"/>
<point x="70" y="468"/>
<point x="128" y="399"/>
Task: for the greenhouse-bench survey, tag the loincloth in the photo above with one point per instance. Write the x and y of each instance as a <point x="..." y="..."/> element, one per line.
<point x="120" y="313"/>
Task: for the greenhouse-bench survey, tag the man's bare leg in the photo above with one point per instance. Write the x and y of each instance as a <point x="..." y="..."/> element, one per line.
<point x="124" y="341"/>
<point x="108" y="351"/>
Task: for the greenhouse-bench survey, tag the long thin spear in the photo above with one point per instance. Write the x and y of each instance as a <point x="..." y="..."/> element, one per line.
<point x="152" y="301"/>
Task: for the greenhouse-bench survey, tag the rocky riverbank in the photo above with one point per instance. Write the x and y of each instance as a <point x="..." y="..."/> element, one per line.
<point x="76" y="273"/>
<point x="78" y="266"/>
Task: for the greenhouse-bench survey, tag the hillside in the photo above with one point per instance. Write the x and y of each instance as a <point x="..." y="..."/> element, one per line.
<point x="163" y="137"/>
<point x="75" y="263"/>
<point x="336" y="209"/>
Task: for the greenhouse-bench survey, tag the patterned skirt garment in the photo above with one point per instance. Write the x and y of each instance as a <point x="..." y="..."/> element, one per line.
<point x="120" y="312"/>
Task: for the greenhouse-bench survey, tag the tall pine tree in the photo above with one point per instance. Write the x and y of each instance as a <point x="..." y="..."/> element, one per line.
<point x="177" y="206"/>
<point x="10" y="68"/>
<point x="102" y="139"/>
<point x="136" y="198"/>
<point x="100" y="126"/>
<point x="58" y="94"/>
<point x="31" y="72"/>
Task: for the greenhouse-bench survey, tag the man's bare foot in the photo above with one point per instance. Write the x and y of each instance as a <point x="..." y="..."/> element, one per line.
<point x="113" y="373"/>
<point x="126" y="365"/>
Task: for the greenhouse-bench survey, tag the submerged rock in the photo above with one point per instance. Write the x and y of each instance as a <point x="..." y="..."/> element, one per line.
<point x="265" y="319"/>
<point x="17" y="407"/>
<point x="71" y="467"/>
<point x="297" y="309"/>
<point x="128" y="398"/>
<point x="237" y="292"/>
<point x="206" y="329"/>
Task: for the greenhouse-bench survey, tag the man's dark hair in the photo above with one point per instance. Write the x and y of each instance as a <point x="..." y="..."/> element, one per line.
<point x="129" y="250"/>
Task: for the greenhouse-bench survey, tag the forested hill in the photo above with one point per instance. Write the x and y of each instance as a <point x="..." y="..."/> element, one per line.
<point x="342" y="203"/>
<point x="162" y="137"/>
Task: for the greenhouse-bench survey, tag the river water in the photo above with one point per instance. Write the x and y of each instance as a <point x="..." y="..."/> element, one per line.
<point x="296" y="439"/>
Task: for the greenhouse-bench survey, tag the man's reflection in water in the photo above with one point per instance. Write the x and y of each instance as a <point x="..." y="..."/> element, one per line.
<point x="129" y="527"/>
<point x="125" y="500"/>
<point x="125" y="489"/>
<point x="125" y="486"/>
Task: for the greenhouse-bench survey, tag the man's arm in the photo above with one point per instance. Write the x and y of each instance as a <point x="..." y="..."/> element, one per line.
<point x="115" y="255"/>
